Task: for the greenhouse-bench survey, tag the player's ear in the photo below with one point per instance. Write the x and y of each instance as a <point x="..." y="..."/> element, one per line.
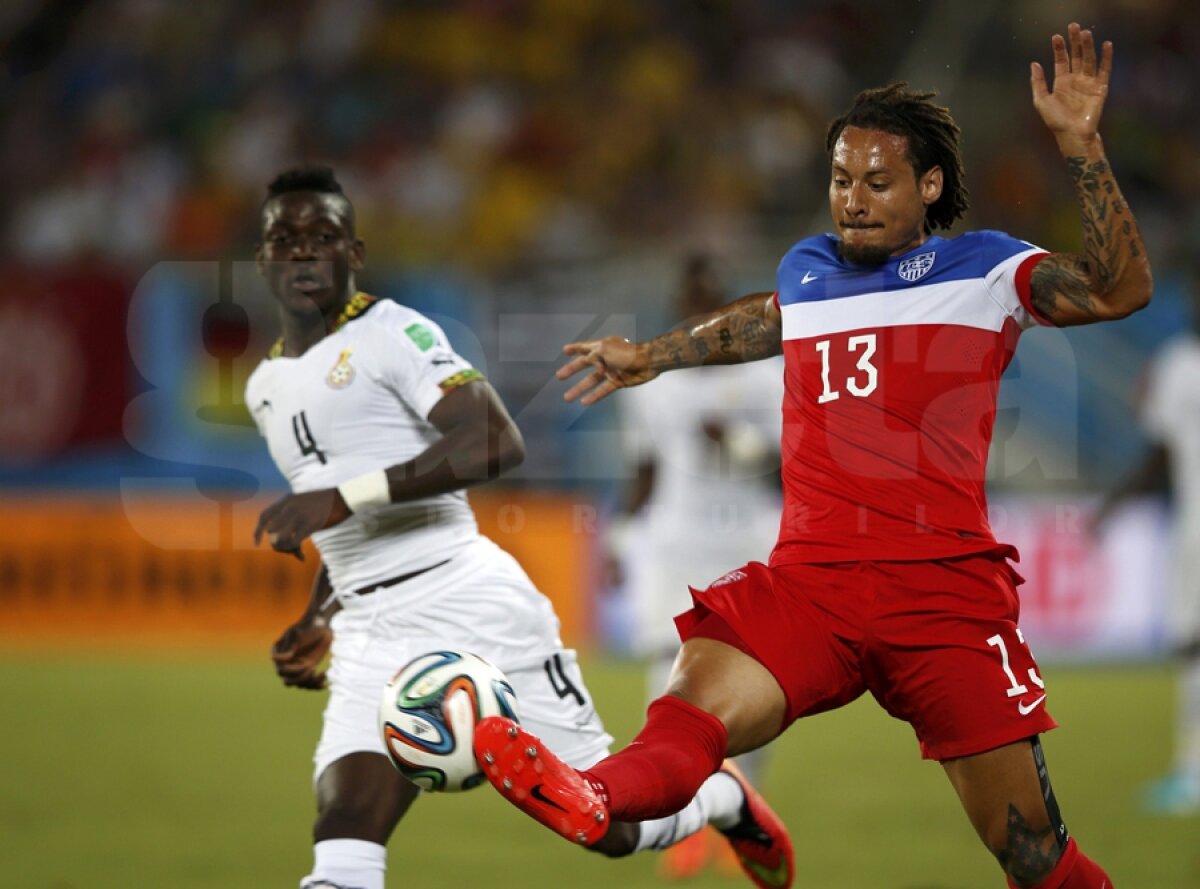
<point x="259" y="262"/>
<point x="930" y="184"/>
<point x="358" y="255"/>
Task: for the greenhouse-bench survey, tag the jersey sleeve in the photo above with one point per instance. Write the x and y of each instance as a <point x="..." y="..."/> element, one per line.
<point x="1158" y="404"/>
<point x="418" y="362"/>
<point x="637" y="425"/>
<point x="1008" y="267"/>
<point x="253" y="399"/>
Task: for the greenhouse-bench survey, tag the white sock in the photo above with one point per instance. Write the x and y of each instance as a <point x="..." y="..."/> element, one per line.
<point x="346" y="864"/>
<point x="719" y="803"/>
<point x="1187" y="750"/>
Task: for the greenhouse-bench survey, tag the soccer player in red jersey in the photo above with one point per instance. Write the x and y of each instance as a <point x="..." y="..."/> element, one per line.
<point x="886" y="577"/>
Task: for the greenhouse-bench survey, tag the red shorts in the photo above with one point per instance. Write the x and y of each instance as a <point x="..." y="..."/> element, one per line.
<point x="936" y="643"/>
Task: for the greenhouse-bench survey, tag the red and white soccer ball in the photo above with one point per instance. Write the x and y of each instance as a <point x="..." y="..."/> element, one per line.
<point x="428" y="713"/>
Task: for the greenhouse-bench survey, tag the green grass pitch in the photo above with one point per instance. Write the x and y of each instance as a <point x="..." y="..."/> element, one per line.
<point x="185" y="771"/>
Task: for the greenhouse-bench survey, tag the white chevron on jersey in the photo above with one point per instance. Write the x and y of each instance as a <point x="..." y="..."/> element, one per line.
<point x="953" y="302"/>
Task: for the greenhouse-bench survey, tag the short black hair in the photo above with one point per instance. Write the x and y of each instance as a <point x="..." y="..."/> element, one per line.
<point x="932" y="138"/>
<point x="311" y="178"/>
<point x="318" y="179"/>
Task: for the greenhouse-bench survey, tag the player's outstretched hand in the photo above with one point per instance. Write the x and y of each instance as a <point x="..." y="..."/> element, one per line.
<point x="612" y="363"/>
<point x="299" y="652"/>
<point x="290" y="520"/>
<point x="1072" y="109"/>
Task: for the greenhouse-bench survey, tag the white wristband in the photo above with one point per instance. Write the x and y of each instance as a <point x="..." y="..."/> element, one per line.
<point x="366" y="491"/>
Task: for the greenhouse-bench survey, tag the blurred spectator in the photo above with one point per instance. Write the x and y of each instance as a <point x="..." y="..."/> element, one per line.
<point x="494" y="138"/>
<point x="1171" y="416"/>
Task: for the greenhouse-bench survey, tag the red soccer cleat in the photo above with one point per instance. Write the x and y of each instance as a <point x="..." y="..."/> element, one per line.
<point x="539" y="783"/>
<point x="759" y="839"/>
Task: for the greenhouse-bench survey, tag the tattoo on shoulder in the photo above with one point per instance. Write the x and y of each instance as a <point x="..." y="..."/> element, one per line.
<point x="1061" y="275"/>
<point x="1029" y="853"/>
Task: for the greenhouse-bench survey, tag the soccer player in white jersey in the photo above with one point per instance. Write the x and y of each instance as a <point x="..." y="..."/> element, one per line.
<point x="378" y="426"/>
<point x="1170" y="414"/>
<point x="703" y="494"/>
<point x="885" y="577"/>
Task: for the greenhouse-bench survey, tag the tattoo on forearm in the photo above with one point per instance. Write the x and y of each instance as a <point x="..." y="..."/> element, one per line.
<point x="1110" y="239"/>
<point x="1029" y="853"/>
<point x="738" y="332"/>
<point x="1095" y="186"/>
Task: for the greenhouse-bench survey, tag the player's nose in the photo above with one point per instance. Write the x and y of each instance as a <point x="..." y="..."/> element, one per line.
<point x="855" y="201"/>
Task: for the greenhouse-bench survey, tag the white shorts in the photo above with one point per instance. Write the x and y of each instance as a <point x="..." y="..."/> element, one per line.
<point x="480" y="601"/>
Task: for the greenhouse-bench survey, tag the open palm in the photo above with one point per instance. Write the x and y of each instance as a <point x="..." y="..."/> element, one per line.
<point x="1072" y="110"/>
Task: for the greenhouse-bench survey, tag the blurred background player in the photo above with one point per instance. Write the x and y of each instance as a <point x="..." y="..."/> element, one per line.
<point x="703" y="446"/>
<point x="1170" y="416"/>
<point x="886" y="576"/>
<point x="378" y="425"/>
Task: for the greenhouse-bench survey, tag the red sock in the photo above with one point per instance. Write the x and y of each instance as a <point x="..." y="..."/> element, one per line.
<point x="663" y="768"/>
<point x="1073" y="871"/>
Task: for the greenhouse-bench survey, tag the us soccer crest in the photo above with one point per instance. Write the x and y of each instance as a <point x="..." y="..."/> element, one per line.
<point x="916" y="267"/>
<point x="343" y="372"/>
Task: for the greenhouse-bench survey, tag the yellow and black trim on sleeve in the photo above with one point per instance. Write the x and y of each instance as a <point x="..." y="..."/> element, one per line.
<point x="461" y="378"/>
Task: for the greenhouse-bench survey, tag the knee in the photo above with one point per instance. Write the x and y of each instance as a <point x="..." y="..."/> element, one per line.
<point x="621" y="840"/>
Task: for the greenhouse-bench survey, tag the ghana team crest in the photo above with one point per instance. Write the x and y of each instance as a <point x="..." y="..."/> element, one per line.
<point x="342" y="374"/>
<point x="916" y="267"/>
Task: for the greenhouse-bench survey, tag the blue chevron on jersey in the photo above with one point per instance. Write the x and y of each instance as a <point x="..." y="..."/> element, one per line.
<point x="813" y="271"/>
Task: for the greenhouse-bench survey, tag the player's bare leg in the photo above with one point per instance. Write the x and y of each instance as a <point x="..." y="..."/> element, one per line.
<point x="360" y="800"/>
<point x="1007" y="795"/>
<point x="732" y="686"/>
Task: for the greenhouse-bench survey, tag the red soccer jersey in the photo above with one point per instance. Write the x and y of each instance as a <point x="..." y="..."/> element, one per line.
<point x="890" y="395"/>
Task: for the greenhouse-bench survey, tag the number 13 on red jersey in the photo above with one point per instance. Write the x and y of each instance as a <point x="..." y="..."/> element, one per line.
<point x="865" y="378"/>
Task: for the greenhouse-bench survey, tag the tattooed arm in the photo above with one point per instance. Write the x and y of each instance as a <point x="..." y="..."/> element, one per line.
<point x="1111" y="278"/>
<point x="747" y="329"/>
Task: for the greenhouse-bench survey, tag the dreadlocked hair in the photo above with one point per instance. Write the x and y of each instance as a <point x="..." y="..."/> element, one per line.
<point x="311" y="178"/>
<point x="932" y="137"/>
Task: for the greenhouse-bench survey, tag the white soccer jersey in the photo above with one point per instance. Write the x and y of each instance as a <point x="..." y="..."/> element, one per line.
<point x="1171" y="415"/>
<point x="358" y="401"/>
<point x="706" y="514"/>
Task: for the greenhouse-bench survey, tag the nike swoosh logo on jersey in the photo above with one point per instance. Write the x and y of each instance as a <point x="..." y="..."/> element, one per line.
<point x="537" y="794"/>
<point x="1026" y="710"/>
<point x="264" y="403"/>
<point x="808" y="278"/>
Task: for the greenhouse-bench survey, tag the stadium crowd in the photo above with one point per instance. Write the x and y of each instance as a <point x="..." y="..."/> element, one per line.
<point x="490" y="133"/>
